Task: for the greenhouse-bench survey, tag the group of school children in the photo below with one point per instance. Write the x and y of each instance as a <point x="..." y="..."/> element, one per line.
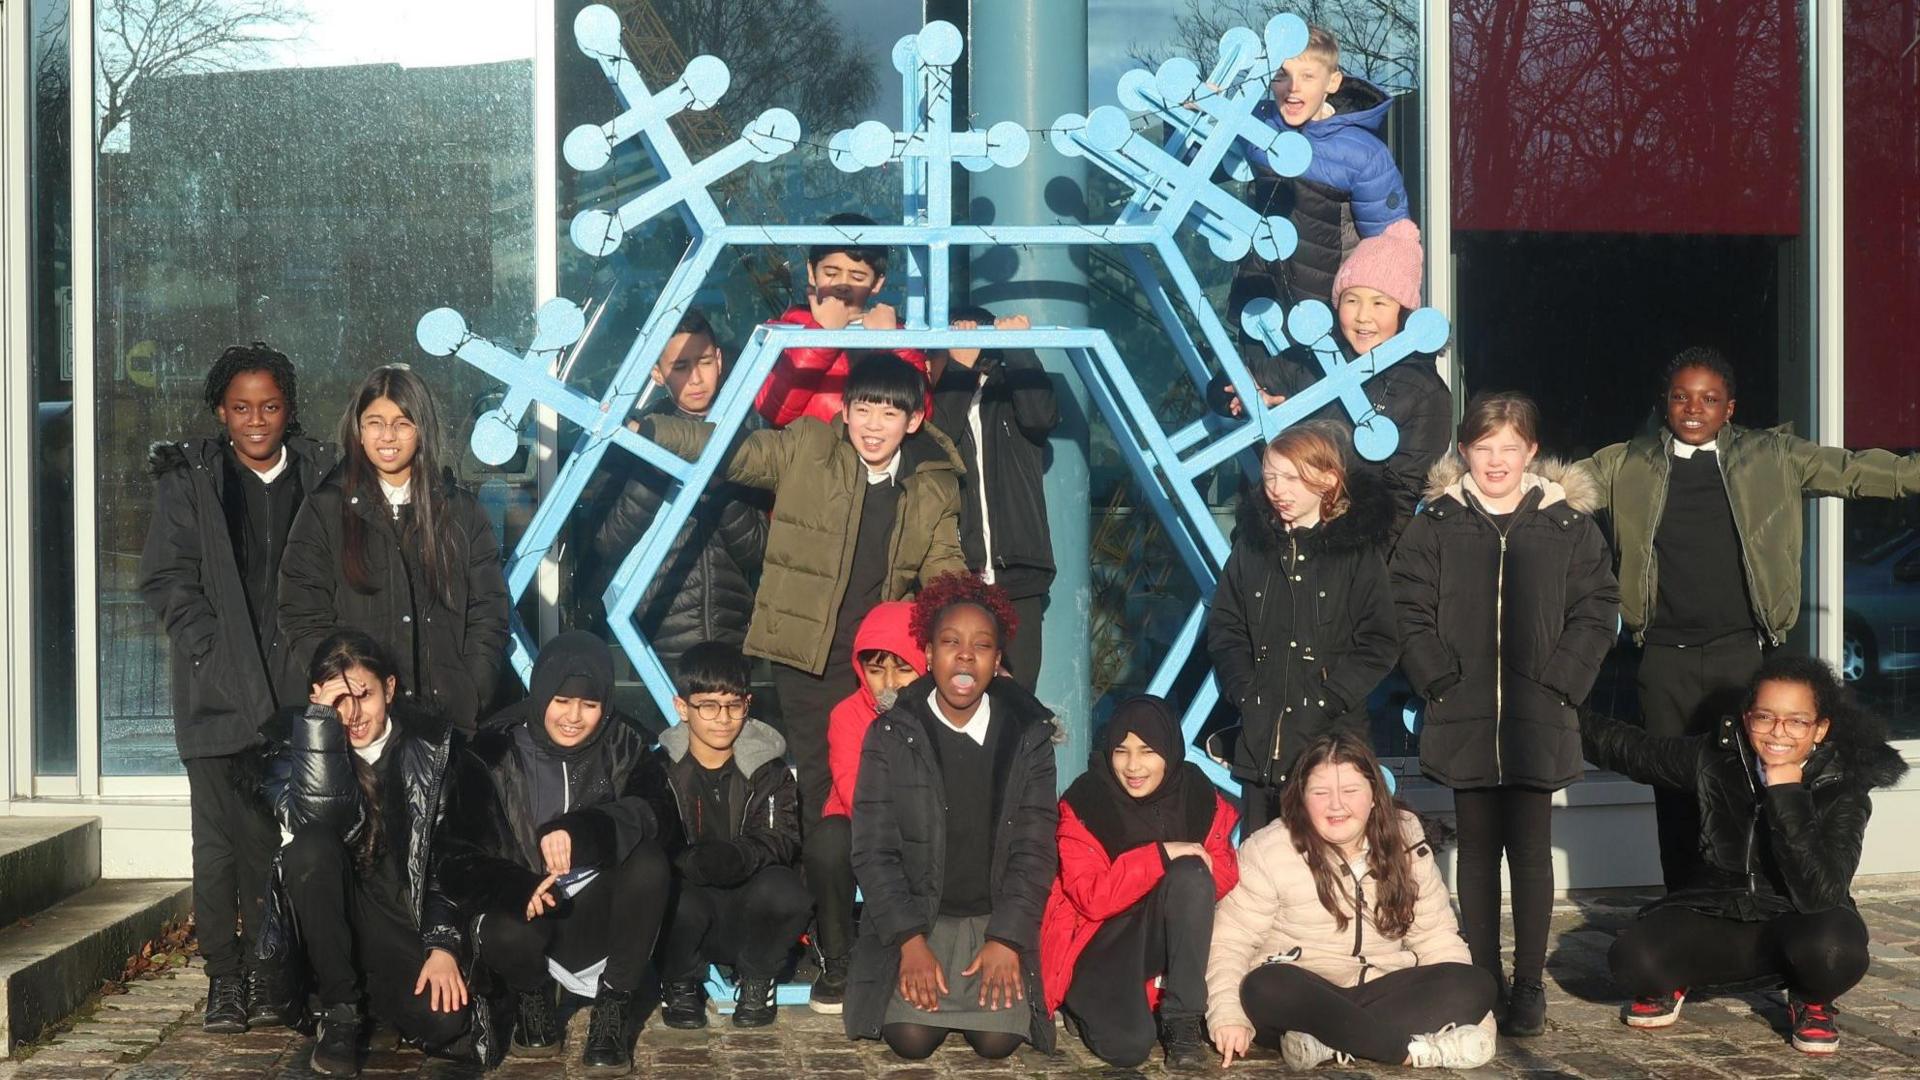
<point x="380" y="846"/>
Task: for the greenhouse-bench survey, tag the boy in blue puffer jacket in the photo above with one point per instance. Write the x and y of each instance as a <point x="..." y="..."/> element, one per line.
<point x="1351" y="187"/>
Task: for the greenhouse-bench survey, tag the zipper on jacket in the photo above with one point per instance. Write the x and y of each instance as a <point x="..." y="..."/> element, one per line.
<point x="1649" y="579"/>
<point x="1499" y="632"/>
<point x="1359" y="919"/>
<point x="1753" y="818"/>
<point x="1286" y="669"/>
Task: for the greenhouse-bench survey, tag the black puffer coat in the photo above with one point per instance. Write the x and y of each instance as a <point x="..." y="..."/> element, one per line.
<point x="223" y="687"/>
<point x="900" y="844"/>
<point x="1503" y="636"/>
<point x="1410" y="393"/>
<point x="1017" y="414"/>
<point x="615" y="796"/>
<point x="704" y="589"/>
<point x="450" y="655"/>
<point x="763" y="804"/>
<point x="1765" y="850"/>
<point x="1302" y="629"/>
<point x="310" y="783"/>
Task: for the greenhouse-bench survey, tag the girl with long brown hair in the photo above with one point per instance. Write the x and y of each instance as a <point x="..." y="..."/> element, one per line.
<point x="390" y="545"/>
<point x="1339" y="941"/>
<point x="1302" y="626"/>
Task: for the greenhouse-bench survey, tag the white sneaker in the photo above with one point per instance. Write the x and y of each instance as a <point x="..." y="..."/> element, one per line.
<point x="1302" y="1051"/>
<point x="1452" y="1047"/>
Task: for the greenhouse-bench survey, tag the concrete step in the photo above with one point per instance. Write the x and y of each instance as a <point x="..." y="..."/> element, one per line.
<point x="44" y="861"/>
<point x="51" y="962"/>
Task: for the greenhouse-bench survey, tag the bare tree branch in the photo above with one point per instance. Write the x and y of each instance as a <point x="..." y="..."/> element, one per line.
<point x="136" y="41"/>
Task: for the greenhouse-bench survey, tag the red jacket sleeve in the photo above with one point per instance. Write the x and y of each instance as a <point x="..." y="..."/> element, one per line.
<point x="1219" y="844"/>
<point x="846" y="730"/>
<point x="1097" y="887"/>
<point x="796" y="377"/>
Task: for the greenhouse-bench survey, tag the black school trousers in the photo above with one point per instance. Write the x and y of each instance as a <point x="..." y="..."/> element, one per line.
<point x="1684" y="690"/>
<point x="616" y="917"/>
<point x="360" y="937"/>
<point x="806" y="701"/>
<point x="234" y="841"/>
<point x="1166" y="933"/>
<point x="1816" y="956"/>
<point x="1517" y="822"/>
<point x="752" y="926"/>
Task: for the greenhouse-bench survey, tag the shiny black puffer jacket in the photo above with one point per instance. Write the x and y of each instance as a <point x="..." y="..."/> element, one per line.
<point x="310" y="783"/>
<point x="1765" y="850"/>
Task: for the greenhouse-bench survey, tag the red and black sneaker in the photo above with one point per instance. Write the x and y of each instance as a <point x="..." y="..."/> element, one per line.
<point x="1655" y="1012"/>
<point x="1814" y="1031"/>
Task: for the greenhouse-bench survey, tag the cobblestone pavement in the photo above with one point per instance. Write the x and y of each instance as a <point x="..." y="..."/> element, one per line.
<point x="151" y="1032"/>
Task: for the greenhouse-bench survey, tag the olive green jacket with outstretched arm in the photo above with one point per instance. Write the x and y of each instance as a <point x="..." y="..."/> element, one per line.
<point x="1768" y="473"/>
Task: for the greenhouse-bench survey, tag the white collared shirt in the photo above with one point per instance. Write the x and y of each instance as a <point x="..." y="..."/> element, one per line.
<point x="1685" y="450"/>
<point x="268" y="476"/>
<point x="397" y="497"/>
<point x="976" y="728"/>
<point x="884" y="475"/>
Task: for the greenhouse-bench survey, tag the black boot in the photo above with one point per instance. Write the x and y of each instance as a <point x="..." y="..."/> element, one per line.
<point x="609" y="1045"/>
<point x="683" y="1005"/>
<point x="753" y="1004"/>
<point x="1185" y="1039"/>
<point x="336" y="1049"/>
<point x="536" y="1031"/>
<point x="226" y="1005"/>
<point x="1526" y="1010"/>
<point x="269" y="1002"/>
<point x="830" y="988"/>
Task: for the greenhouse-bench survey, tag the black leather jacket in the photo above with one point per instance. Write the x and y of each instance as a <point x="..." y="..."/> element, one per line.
<point x="1765" y="850"/>
<point x="310" y="783"/>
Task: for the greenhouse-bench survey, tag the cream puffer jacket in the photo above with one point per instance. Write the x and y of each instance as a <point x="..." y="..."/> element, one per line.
<point x="1275" y="915"/>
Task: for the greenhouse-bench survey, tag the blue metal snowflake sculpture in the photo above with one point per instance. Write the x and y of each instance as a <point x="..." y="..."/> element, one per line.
<point x="1173" y="182"/>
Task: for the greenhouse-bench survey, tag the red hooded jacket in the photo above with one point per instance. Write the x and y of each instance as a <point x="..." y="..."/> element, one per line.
<point x="1092" y="888"/>
<point x="885" y="627"/>
<point x="809" y="382"/>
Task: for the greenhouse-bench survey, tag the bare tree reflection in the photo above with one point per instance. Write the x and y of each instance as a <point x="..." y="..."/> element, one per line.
<point x="136" y="41"/>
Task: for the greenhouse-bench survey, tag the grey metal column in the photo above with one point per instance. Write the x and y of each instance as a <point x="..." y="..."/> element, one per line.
<point x="1027" y="61"/>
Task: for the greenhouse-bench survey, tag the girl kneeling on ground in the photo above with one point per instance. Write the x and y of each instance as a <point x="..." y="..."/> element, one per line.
<point x="1339" y="941"/>
<point x="1784" y="793"/>
<point x="953" y="842"/>
<point x="1146" y="848"/>
<point x="359" y="780"/>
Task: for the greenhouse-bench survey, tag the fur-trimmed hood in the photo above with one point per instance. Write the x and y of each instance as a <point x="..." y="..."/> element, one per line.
<point x="1559" y="481"/>
<point x="758" y="744"/>
<point x="1857" y="757"/>
<point x="1367" y="522"/>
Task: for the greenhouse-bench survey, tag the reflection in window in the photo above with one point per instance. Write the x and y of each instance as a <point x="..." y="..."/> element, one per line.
<point x="1881" y="656"/>
<point x="316" y="176"/>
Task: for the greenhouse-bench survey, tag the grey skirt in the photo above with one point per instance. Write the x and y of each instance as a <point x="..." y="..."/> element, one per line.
<point x="955" y="942"/>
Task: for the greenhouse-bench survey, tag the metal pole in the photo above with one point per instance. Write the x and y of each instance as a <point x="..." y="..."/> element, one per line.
<point x="1027" y="62"/>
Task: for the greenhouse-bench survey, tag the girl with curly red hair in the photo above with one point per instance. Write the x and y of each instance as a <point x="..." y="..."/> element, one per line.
<point x="953" y="842"/>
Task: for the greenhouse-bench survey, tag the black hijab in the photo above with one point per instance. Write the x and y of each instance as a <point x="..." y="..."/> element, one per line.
<point x="1180" y="810"/>
<point x="575" y="664"/>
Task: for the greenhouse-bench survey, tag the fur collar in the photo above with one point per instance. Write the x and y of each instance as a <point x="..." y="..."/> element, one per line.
<point x="1559" y="481"/>
<point x="758" y="744"/>
<point x="1368" y="521"/>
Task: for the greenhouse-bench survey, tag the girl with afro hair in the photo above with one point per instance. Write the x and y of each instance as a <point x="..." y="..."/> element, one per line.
<point x="953" y="842"/>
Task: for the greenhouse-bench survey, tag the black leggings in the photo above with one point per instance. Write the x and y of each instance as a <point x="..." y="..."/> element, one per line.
<point x="1374" y="1020"/>
<point x="917" y="1042"/>
<point x="616" y="916"/>
<point x="1818" y="956"/>
<point x="1518" y="821"/>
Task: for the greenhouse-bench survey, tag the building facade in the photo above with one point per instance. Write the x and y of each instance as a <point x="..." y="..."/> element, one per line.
<point x="1598" y="186"/>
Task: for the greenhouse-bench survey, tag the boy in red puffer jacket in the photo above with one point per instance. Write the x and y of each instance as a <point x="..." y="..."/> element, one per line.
<point x="886" y="658"/>
<point x="841" y="278"/>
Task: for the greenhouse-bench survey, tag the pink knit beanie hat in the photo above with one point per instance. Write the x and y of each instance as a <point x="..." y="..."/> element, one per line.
<point x="1389" y="262"/>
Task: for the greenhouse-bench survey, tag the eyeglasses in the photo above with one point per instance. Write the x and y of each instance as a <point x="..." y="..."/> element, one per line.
<point x="711" y="710"/>
<point x="1761" y="723"/>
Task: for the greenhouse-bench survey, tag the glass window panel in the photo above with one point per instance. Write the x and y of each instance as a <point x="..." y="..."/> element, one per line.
<point x="315" y="176"/>
<point x="1882" y="611"/>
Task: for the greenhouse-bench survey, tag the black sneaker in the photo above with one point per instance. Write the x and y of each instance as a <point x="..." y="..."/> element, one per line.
<point x="269" y="1004"/>
<point x="336" y="1049"/>
<point x="1185" y="1040"/>
<point x="226" y="1005"/>
<point x="1814" y="1031"/>
<point x="536" y="1030"/>
<point x="683" y="1004"/>
<point x="830" y="988"/>
<point x="753" y="1004"/>
<point x="1526" y="1010"/>
<point x="609" y="1046"/>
